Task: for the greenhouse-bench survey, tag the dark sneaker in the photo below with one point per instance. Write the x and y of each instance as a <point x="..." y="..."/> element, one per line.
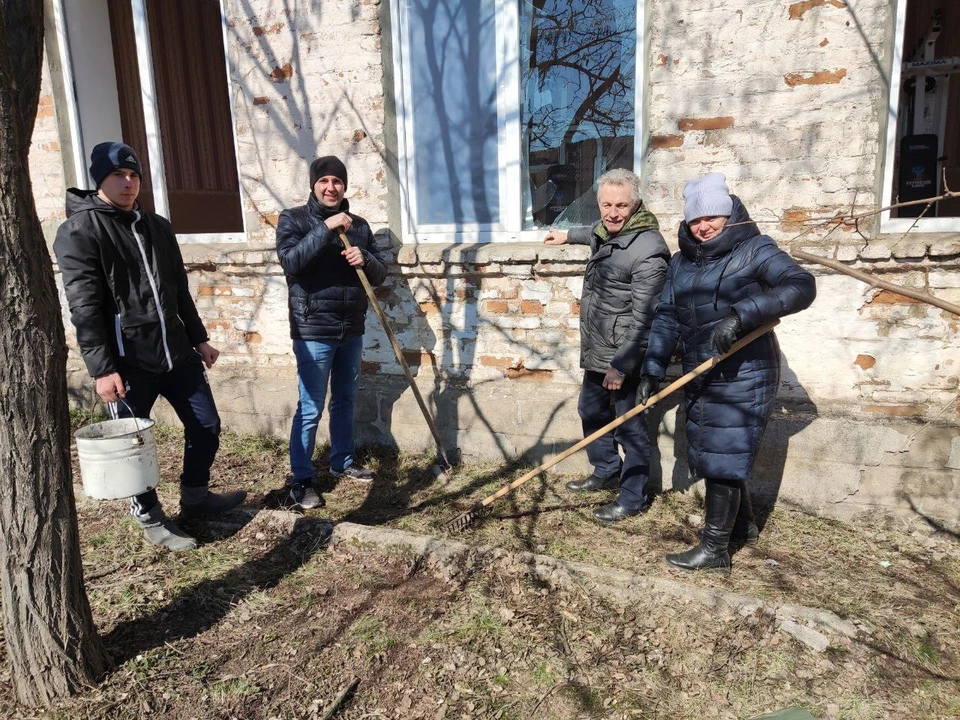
<point x="305" y="497"/>
<point x="357" y="473"/>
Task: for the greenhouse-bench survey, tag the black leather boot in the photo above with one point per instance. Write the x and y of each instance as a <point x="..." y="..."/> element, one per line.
<point x="745" y="529"/>
<point x="594" y="483"/>
<point x="723" y="501"/>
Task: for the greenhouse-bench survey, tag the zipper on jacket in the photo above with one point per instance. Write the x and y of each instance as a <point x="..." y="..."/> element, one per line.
<point x="119" y="331"/>
<point x="693" y="294"/>
<point x="696" y="458"/>
<point x="153" y="287"/>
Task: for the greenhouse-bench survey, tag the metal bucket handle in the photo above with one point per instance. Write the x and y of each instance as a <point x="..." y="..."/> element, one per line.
<point x="136" y="425"/>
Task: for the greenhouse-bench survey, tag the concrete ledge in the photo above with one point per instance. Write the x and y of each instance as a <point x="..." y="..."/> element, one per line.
<point x="452" y="559"/>
<point x="835" y="465"/>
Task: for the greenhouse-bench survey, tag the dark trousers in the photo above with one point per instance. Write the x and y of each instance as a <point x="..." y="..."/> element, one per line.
<point x="599" y="406"/>
<point x="186" y="388"/>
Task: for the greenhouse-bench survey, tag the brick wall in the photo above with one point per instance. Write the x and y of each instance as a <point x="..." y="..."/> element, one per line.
<point x="46" y="163"/>
<point x="479" y="314"/>
<point x="307" y="81"/>
<point x="787" y="99"/>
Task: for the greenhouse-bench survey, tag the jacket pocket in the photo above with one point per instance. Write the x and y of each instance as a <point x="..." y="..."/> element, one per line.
<point x="142" y="344"/>
<point x="620" y="327"/>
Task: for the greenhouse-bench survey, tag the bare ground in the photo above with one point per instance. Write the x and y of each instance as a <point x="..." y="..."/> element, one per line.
<point x="261" y="622"/>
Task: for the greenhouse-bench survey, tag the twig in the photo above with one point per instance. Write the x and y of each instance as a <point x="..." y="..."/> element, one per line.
<point x="547" y="694"/>
<point x="876" y="282"/>
<point x="339" y="699"/>
<point x="945" y="195"/>
<point x="853" y="219"/>
<point x="109" y="570"/>
<point x="914" y="224"/>
<point x="906" y="446"/>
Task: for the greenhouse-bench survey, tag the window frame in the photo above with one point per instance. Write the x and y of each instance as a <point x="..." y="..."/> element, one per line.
<point x="890" y="224"/>
<point x="509" y="140"/>
<point x="151" y="117"/>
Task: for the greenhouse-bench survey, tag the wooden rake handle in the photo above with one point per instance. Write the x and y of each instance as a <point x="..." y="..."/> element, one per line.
<point x="675" y="385"/>
<point x="371" y="296"/>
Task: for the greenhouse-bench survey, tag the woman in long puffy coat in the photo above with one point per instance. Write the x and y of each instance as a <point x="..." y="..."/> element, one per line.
<point x="727" y="280"/>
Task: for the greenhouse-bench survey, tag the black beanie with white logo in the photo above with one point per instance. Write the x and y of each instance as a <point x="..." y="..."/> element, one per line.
<point x="109" y="156"/>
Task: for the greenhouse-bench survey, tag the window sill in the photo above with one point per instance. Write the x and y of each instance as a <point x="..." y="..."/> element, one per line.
<point x="937" y="225"/>
<point x="490" y="253"/>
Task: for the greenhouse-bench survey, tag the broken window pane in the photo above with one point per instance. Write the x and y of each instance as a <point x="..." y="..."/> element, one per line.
<point x="578" y="86"/>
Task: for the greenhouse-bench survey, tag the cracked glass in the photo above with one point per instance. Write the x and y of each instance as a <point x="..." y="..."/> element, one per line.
<point x="578" y="89"/>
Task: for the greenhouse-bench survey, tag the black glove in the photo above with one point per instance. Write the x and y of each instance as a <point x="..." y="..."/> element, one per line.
<point x="647" y="387"/>
<point x="724" y="333"/>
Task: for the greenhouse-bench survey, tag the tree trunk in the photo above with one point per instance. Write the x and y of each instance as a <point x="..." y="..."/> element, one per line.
<point x="52" y="643"/>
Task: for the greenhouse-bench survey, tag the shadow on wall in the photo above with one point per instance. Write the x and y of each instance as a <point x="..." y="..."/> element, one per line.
<point x="440" y="324"/>
<point x="790" y="416"/>
<point x="792" y="413"/>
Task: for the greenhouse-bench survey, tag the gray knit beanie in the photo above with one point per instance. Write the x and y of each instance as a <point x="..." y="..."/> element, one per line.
<point x="707" y="197"/>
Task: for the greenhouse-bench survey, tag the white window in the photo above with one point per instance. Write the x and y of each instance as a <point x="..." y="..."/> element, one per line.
<point x="508" y="111"/>
<point x="923" y="132"/>
<point x="153" y="74"/>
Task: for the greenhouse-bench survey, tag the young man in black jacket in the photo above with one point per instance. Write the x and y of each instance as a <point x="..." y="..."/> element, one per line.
<point x="327" y="306"/>
<point x="621" y="288"/>
<point x="138" y="328"/>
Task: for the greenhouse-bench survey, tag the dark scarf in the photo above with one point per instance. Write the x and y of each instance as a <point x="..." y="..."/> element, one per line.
<point x="322" y="211"/>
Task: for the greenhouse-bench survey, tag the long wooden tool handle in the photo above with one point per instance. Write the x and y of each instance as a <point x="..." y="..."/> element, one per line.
<point x="877" y="282"/>
<point x="371" y="296"/>
<point x="675" y="385"/>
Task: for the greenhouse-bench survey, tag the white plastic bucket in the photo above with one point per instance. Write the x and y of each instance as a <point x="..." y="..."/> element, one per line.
<point x="118" y="458"/>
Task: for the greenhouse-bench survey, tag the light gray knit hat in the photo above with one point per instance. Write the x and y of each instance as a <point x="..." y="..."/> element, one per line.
<point x="707" y="197"/>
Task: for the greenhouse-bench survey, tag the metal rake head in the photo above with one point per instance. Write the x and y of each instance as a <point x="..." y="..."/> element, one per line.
<point x="462" y="521"/>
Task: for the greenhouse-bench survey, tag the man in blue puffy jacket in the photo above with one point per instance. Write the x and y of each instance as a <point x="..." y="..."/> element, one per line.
<point x="327" y="309"/>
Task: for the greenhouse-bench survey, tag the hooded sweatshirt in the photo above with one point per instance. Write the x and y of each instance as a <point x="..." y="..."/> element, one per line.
<point x="126" y="287"/>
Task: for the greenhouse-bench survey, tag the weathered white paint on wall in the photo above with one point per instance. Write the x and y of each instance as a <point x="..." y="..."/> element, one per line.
<point x="784" y="98"/>
<point x="787" y="99"/>
<point x="307" y="81"/>
<point x="46" y="166"/>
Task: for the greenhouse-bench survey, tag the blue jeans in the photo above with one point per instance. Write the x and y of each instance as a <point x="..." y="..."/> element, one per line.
<point x="317" y="362"/>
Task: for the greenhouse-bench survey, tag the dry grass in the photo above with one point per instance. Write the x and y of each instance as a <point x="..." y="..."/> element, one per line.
<point x="258" y="624"/>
